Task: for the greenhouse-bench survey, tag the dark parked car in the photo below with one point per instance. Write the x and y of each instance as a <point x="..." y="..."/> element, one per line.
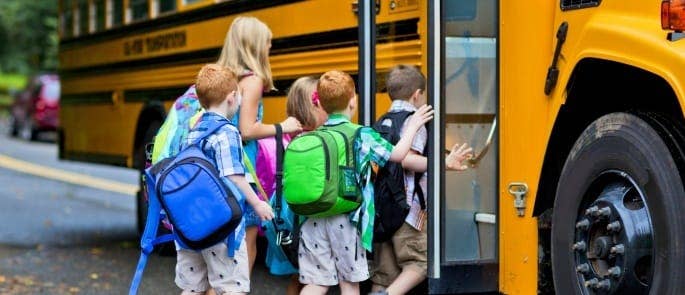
<point x="36" y="108"/>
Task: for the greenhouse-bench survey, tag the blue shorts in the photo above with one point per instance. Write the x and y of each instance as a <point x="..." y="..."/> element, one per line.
<point x="251" y="218"/>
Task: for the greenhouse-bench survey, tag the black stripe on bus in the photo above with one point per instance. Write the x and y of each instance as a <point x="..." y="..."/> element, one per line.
<point x="176" y="19"/>
<point x="86" y="98"/>
<point x="388" y="32"/>
<point x="171" y="93"/>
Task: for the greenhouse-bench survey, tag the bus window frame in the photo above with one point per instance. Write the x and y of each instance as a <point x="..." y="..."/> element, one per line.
<point x="129" y="12"/>
<point x="155" y="9"/>
<point x="182" y="5"/>
<point x="109" y="14"/>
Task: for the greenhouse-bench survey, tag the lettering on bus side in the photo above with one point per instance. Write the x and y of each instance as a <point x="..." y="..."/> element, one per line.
<point x="157" y="43"/>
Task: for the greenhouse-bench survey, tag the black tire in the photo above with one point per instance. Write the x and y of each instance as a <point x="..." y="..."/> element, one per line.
<point x="26" y="131"/>
<point x="14" y="129"/>
<point x="140" y="157"/>
<point x="632" y="144"/>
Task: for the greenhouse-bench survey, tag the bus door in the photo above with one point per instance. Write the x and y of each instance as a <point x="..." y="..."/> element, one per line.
<point x="462" y="72"/>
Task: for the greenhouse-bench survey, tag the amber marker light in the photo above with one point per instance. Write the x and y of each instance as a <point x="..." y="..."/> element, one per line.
<point x="673" y="15"/>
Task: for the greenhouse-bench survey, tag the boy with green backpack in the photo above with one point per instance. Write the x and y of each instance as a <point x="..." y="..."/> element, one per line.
<point x="327" y="179"/>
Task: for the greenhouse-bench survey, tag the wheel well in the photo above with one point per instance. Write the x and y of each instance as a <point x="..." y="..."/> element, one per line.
<point x="598" y="87"/>
<point x="152" y="111"/>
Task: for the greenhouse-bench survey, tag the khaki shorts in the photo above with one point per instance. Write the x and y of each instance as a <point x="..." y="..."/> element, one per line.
<point x="407" y="250"/>
<point x="330" y="251"/>
<point x="211" y="267"/>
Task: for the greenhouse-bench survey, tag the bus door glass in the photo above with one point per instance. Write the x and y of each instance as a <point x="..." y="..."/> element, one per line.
<point x="468" y="114"/>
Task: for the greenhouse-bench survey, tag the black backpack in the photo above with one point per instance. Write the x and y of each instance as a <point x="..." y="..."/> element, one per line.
<point x="390" y="196"/>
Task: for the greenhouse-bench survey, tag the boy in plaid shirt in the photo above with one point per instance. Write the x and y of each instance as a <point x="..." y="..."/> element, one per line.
<point x="332" y="248"/>
<point x="217" y="91"/>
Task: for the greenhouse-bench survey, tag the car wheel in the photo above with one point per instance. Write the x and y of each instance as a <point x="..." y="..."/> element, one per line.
<point x="27" y="131"/>
<point x="166" y="249"/>
<point x="13" y="128"/>
<point x="618" y="225"/>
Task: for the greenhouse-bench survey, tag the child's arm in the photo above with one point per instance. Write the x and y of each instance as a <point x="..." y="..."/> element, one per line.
<point x="262" y="208"/>
<point x="252" y="88"/>
<point x="415" y="162"/>
<point x="418" y="119"/>
<point x="454" y="161"/>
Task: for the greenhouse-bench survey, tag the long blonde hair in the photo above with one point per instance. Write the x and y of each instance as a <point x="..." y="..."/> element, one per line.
<point x="299" y="104"/>
<point x="246" y="49"/>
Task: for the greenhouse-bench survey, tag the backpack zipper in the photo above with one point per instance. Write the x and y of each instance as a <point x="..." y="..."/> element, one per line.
<point x="325" y="152"/>
<point x="347" y="146"/>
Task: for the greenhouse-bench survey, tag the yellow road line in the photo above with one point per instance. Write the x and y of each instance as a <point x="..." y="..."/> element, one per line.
<point x="69" y="177"/>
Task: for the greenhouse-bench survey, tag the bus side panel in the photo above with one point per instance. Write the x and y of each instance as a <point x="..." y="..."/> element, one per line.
<point x="93" y="132"/>
<point x="525" y="52"/>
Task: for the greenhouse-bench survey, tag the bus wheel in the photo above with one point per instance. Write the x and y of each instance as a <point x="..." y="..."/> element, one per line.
<point x="141" y="162"/>
<point x="618" y="225"/>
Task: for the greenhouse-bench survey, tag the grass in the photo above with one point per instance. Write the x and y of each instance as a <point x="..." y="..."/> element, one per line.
<point x="12" y="81"/>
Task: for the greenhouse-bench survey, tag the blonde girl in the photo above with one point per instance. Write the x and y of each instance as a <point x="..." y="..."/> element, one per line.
<point x="246" y="51"/>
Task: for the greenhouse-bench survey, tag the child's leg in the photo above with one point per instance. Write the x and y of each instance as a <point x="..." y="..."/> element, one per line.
<point x="385" y="268"/>
<point x="411" y="252"/>
<point x="293" y="285"/>
<point x="349" y="288"/>
<point x="252" y="224"/>
<point x="191" y="272"/>
<point x="317" y="267"/>
<point x="227" y="275"/>
<point x="251" y="240"/>
<point x="348" y="254"/>
<point x="314" y="290"/>
<point x="406" y="281"/>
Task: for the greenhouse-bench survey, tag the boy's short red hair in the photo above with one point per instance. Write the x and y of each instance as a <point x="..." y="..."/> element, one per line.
<point x="335" y="90"/>
<point x="213" y="84"/>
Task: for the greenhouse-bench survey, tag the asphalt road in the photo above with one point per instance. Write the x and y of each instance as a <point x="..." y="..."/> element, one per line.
<point x="60" y="237"/>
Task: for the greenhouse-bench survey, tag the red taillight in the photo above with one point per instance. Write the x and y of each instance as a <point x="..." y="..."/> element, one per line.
<point x="673" y="15"/>
<point x="40" y="105"/>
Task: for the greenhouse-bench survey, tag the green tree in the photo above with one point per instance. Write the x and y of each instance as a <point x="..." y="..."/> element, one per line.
<point x="29" y="30"/>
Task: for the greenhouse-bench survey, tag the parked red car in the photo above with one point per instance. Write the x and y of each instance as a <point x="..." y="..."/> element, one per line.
<point x="36" y="108"/>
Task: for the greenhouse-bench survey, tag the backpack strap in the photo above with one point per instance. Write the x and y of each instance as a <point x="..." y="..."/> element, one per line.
<point x="398" y="119"/>
<point x="214" y="125"/>
<point x="279" y="169"/>
<point x="251" y="170"/>
<point x="148" y="241"/>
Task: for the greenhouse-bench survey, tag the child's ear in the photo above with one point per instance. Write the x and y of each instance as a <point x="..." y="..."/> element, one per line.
<point x="415" y="95"/>
<point x="352" y="104"/>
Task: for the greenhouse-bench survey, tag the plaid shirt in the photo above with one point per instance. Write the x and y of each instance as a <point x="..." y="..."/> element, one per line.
<point x="416" y="217"/>
<point x="370" y="147"/>
<point x="225" y="147"/>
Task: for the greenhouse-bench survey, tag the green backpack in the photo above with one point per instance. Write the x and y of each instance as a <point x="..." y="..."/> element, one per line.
<point x="319" y="172"/>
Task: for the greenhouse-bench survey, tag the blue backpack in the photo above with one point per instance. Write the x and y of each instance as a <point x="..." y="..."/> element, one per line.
<point x="202" y="207"/>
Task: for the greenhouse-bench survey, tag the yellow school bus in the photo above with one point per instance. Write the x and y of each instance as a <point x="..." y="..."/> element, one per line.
<point x="123" y="63"/>
<point x="574" y="109"/>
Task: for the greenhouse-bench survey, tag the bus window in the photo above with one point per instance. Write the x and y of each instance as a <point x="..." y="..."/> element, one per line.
<point x="115" y="12"/>
<point x="67" y="19"/>
<point x="100" y="17"/>
<point x="139" y="9"/>
<point x="470" y="201"/>
<point x="83" y="17"/>
<point x="164" y="6"/>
